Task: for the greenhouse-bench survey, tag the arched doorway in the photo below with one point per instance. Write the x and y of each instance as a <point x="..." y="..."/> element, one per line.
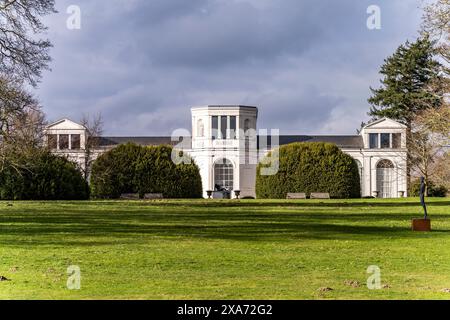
<point x="385" y="179"/>
<point x="223" y="175"/>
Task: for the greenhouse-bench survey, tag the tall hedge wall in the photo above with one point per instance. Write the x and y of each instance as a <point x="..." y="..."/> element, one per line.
<point x="113" y="172"/>
<point x="130" y="168"/>
<point x="43" y="176"/>
<point x="311" y="167"/>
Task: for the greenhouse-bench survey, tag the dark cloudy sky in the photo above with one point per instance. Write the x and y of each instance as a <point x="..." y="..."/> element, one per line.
<point x="307" y="64"/>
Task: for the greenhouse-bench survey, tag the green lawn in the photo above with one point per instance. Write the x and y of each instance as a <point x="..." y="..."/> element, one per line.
<point x="223" y="249"/>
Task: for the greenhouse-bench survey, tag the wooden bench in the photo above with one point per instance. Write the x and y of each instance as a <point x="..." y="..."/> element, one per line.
<point x="296" y="195"/>
<point x="320" y="195"/>
<point x="153" y="196"/>
<point x="129" y="196"/>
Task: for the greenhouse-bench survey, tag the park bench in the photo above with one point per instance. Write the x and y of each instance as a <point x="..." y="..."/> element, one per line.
<point x="300" y="195"/>
<point x="319" y="195"/>
<point x="129" y="196"/>
<point x="153" y="196"/>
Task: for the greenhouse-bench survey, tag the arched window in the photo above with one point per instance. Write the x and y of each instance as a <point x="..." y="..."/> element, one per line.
<point x="200" y="128"/>
<point x="385" y="179"/>
<point x="223" y="175"/>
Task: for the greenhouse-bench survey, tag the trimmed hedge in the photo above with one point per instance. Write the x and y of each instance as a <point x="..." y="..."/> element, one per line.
<point x="130" y="168"/>
<point x="44" y="177"/>
<point x="311" y="167"/>
<point x="113" y="172"/>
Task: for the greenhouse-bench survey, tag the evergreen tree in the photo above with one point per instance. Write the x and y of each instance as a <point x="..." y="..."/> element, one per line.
<point x="412" y="81"/>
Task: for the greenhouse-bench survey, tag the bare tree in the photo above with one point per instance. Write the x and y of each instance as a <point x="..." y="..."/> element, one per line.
<point x="16" y="106"/>
<point x="94" y="131"/>
<point x="441" y="170"/>
<point x="22" y="53"/>
<point x="21" y="123"/>
<point x="436" y="23"/>
<point x="430" y="139"/>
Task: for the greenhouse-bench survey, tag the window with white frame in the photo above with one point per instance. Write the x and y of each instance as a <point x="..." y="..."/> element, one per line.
<point x="385" y="140"/>
<point x="215" y="127"/>
<point x="385" y="179"/>
<point x="75" y="142"/>
<point x="233" y="127"/>
<point x="224" y="127"/>
<point x="52" y="141"/>
<point x="63" y="141"/>
<point x="223" y="175"/>
<point x="373" y="140"/>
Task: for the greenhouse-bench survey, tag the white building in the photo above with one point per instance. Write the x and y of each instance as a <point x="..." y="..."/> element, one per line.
<point x="226" y="146"/>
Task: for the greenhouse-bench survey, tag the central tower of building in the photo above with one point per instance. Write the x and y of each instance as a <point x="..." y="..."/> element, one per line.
<point x="224" y="146"/>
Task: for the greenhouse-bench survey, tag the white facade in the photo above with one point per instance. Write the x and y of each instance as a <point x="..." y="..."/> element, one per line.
<point x="64" y="133"/>
<point x="230" y="152"/>
<point x="226" y="146"/>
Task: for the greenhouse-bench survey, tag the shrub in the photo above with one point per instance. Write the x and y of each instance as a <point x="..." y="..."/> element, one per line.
<point x="113" y="172"/>
<point x="311" y="167"/>
<point x="157" y="173"/>
<point x="43" y="177"/>
<point x="432" y="190"/>
<point x="135" y="169"/>
<point x="438" y="191"/>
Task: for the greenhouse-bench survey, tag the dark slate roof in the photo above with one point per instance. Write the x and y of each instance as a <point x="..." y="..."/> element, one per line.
<point x="341" y="141"/>
<point x="144" y="141"/>
<point x="226" y="106"/>
<point x="354" y="141"/>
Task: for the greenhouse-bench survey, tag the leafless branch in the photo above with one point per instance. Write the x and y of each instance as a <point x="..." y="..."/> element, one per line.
<point x="21" y="52"/>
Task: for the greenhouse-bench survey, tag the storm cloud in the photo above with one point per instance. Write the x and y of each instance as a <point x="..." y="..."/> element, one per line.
<point x="306" y="64"/>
